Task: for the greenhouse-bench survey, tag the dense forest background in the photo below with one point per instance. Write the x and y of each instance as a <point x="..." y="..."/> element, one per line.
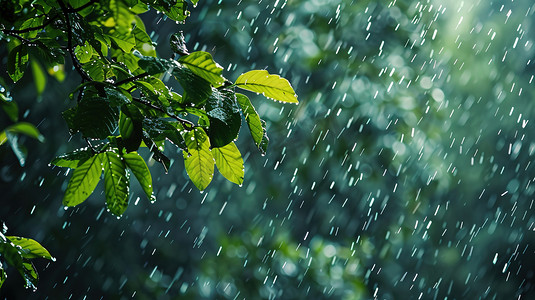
<point x="405" y="171"/>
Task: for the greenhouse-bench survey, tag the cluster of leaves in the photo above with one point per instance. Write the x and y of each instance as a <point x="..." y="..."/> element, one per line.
<point x="123" y="103"/>
<point x="11" y="134"/>
<point x="19" y="252"/>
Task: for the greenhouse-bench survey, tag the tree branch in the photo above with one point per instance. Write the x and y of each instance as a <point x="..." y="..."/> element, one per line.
<point x="8" y="31"/>
<point x="75" y="61"/>
<point x="187" y="124"/>
<point x="24" y="41"/>
<point x="134" y="78"/>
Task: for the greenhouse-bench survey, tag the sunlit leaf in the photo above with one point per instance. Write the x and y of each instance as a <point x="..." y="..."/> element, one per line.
<point x="95" y="69"/>
<point x="202" y="64"/>
<point x="116" y="182"/>
<point x="73" y="159"/>
<point x="140" y="170"/>
<point x="30" y="248"/>
<point x="125" y="42"/>
<point x="27" y="129"/>
<point x="271" y="86"/>
<point x="199" y="162"/>
<point x="84" y="52"/>
<point x="17" y="60"/>
<point x="39" y="77"/>
<point x="143" y="41"/>
<point x="229" y="162"/>
<point x="3" y="275"/>
<point x="83" y="181"/>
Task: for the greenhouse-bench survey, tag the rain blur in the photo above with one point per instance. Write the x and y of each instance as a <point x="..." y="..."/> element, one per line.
<point x="404" y="173"/>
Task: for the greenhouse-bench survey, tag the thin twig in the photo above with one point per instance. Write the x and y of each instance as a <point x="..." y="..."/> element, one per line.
<point x="187" y="124"/>
<point x="24" y="41"/>
<point x="75" y="61"/>
<point x="134" y="78"/>
<point x="8" y="31"/>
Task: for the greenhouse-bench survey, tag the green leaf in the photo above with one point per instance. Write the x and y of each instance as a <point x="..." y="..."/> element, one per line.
<point x="30" y="248"/>
<point x="125" y="42"/>
<point x="95" y="69"/>
<point x="257" y="127"/>
<point x="84" y="52"/>
<point x="178" y="43"/>
<point x="39" y="77"/>
<point x="155" y="89"/>
<point x="156" y="153"/>
<point x="29" y="274"/>
<point x="8" y="105"/>
<point x="83" y="181"/>
<point x="130" y="127"/>
<point x="202" y="64"/>
<point x="94" y="117"/>
<point x="143" y="42"/>
<point x="116" y="182"/>
<point x="48" y="52"/>
<point x="17" y="61"/>
<point x="73" y="159"/>
<point x="117" y="96"/>
<point x="271" y="86"/>
<point x="3" y="275"/>
<point x="30" y="23"/>
<point x="140" y="170"/>
<point x="199" y="162"/>
<point x="196" y="88"/>
<point x="176" y="10"/>
<point x="3" y="137"/>
<point x="229" y="162"/>
<point x="224" y="116"/>
<point x="160" y="129"/>
<point x="27" y="129"/>
<point x="18" y="149"/>
<point x="153" y="65"/>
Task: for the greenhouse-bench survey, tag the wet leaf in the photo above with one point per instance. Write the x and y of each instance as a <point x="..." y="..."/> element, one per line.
<point x="83" y="181"/>
<point x="199" y="162"/>
<point x="30" y="248"/>
<point x="116" y="182"/>
<point x="271" y="86"/>
<point x="257" y="126"/>
<point x="17" y="61"/>
<point x="140" y="170"/>
<point x="73" y="159"/>
<point x="229" y="162"/>
<point x="202" y="64"/>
